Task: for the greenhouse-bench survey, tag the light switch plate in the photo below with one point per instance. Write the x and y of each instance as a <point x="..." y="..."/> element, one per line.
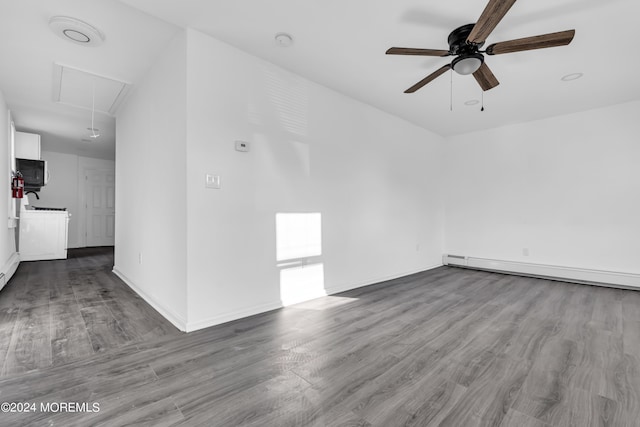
<point x="212" y="181"/>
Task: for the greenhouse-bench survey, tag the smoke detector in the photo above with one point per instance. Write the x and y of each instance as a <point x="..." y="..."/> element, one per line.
<point x="77" y="31"/>
<point x="570" y="77"/>
<point x="284" y="39"/>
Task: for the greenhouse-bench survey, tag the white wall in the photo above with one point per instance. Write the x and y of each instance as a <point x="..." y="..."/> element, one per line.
<point x="563" y="188"/>
<point x="567" y="188"/>
<point x="8" y="257"/>
<point x="374" y="178"/>
<point x="66" y="189"/>
<point x="150" y="243"/>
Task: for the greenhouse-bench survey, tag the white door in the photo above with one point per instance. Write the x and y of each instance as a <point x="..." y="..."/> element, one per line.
<point x="100" y="207"/>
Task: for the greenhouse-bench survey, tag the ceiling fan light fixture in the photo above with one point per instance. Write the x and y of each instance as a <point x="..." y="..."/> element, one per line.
<point x="465" y="43"/>
<point x="467" y="64"/>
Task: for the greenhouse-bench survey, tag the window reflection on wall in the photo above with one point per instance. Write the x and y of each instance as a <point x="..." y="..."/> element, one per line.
<point x="301" y="283"/>
<point x="298" y="235"/>
<point x="298" y="239"/>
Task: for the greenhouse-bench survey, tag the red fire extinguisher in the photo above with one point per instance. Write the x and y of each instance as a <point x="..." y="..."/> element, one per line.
<point x="17" y="186"/>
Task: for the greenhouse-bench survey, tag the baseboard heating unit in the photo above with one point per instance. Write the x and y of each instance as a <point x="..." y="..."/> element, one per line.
<point x="7" y="270"/>
<point x="553" y="272"/>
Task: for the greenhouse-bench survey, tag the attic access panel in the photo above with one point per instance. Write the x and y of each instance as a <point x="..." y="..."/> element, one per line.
<point x="75" y="87"/>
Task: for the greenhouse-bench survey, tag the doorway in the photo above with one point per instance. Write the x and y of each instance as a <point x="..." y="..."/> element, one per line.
<point x="100" y="207"/>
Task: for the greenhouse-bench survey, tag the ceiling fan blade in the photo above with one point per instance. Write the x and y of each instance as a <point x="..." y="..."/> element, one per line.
<point x="491" y="16"/>
<point x="429" y="78"/>
<point x="485" y="78"/>
<point x="420" y="52"/>
<point x="561" y="38"/>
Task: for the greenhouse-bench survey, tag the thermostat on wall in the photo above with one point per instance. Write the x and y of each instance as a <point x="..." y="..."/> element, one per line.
<point x="242" y="146"/>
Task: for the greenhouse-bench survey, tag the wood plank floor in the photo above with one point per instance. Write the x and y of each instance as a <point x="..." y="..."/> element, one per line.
<point x="56" y="312"/>
<point x="447" y="347"/>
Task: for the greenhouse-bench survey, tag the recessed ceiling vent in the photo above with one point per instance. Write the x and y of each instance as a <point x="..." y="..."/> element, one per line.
<point x="77" y="31"/>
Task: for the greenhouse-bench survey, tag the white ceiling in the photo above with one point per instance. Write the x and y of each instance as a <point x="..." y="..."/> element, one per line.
<point x="337" y="43"/>
<point x="341" y="44"/>
<point x="29" y="50"/>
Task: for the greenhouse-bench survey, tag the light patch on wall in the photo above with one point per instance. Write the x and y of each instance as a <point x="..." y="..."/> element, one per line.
<point x="298" y="235"/>
<point x="290" y="99"/>
<point x="302" y="283"/>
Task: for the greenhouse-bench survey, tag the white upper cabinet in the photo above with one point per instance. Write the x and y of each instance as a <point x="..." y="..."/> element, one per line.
<point x="27" y="146"/>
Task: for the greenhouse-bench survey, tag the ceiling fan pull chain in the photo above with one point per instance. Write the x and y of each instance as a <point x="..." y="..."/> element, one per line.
<point x="451" y="94"/>
<point x="482" y="97"/>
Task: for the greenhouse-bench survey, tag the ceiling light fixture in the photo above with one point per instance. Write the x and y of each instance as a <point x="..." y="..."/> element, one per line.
<point x="284" y="39"/>
<point x="77" y="31"/>
<point x="572" y="76"/>
<point x="467" y="64"/>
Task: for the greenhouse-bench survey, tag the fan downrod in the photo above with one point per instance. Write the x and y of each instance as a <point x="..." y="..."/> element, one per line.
<point x="458" y="41"/>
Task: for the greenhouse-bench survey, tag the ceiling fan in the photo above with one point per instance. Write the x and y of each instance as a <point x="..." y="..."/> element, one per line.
<point x="465" y="43"/>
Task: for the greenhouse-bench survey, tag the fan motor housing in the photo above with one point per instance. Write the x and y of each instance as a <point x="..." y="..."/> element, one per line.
<point x="458" y="41"/>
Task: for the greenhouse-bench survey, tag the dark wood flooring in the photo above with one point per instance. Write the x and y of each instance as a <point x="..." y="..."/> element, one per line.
<point x="447" y="347"/>
<point x="56" y="312"/>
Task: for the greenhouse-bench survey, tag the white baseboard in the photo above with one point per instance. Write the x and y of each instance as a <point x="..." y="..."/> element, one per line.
<point x="347" y="287"/>
<point x="177" y="320"/>
<point x="234" y="315"/>
<point x="9" y="268"/>
<point x="570" y="274"/>
<point x="181" y="324"/>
